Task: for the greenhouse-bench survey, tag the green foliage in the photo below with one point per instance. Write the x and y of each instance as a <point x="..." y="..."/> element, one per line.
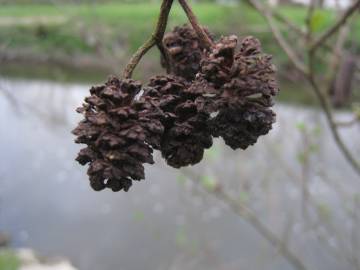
<point x="301" y="126"/>
<point x="324" y="212"/>
<point x="139" y="215"/>
<point x="181" y="179"/>
<point x="213" y="153"/>
<point x="8" y="260"/>
<point x="127" y="24"/>
<point x="139" y="20"/>
<point x="318" y="20"/>
<point x="181" y="238"/>
<point x="209" y="182"/>
<point x="244" y="196"/>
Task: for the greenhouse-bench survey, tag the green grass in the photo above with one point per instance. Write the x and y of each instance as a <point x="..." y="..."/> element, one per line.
<point x="8" y="260"/>
<point x="134" y="22"/>
<point x="129" y="25"/>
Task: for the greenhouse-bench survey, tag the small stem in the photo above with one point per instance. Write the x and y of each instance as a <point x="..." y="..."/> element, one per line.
<point x="322" y="98"/>
<point x="332" y="30"/>
<point x="205" y="39"/>
<point x="243" y="211"/>
<point x="155" y="39"/>
<point x="326" y="107"/>
<point x="135" y="59"/>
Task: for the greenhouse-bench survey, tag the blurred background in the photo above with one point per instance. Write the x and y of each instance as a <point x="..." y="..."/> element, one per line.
<point x="289" y="202"/>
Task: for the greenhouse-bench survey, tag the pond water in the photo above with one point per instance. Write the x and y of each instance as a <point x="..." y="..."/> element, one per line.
<point x="168" y="222"/>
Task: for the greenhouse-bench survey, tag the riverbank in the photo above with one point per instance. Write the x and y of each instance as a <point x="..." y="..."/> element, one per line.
<point x="26" y="259"/>
<point x="85" y="43"/>
<point x="110" y="32"/>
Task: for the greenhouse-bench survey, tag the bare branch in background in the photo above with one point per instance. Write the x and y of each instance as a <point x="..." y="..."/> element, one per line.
<point x="333" y="127"/>
<point x="332" y="30"/>
<point x="246" y="213"/>
<point x="337" y="55"/>
<point x="297" y="62"/>
<point x="259" y="6"/>
<point x="269" y="16"/>
<point x="12" y="100"/>
<point x="350" y="123"/>
<point x="308" y="71"/>
<point x="308" y="20"/>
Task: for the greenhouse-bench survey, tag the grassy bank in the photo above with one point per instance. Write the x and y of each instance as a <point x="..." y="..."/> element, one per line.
<point x="101" y="37"/>
<point x="66" y="28"/>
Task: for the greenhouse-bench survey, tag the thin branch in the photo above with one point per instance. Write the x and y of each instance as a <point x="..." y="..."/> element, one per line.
<point x="269" y="16"/>
<point x="297" y="62"/>
<point x="308" y="20"/>
<point x="205" y="39"/>
<point x="309" y="74"/>
<point x="322" y="39"/>
<point x="260" y="7"/>
<point x="155" y="39"/>
<point x="243" y="211"/>
<point x="337" y="55"/>
<point x="350" y="123"/>
<point x="135" y="59"/>
<point x="333" y="127"/>
<point x="323" y="100"/>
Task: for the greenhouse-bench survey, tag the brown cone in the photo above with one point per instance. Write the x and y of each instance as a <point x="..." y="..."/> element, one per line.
<point x="242" y="84"/>
<point x="116" y="140"/>
<point x="184" y="51"/>
<point x="186" y="128"/>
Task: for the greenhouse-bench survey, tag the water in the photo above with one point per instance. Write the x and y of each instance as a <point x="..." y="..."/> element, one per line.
<point x="168" y="222"/>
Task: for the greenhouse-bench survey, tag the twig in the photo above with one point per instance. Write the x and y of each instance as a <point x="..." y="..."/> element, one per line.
<point x="322" y="39"/>
<point x="205" y="39"/>
<point x="336" y="57"/>
<point x="323" y="100"/>
<point x="269" y="16"/>
<point x="308" y="72"/>
<point x="332" y="125"/>
<point x="297" y="62"/>
<point x="259" y="6"/>
<point x="262" y="9"/>
<point x="243" y="211"/>
<point x="350" y="123"/>
<point x="10" y="98"/>
<point x="308" y="20"/>
<point x="155" y="39"/>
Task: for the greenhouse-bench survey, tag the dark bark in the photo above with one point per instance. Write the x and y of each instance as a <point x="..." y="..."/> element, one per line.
<point x="342" y="86"/>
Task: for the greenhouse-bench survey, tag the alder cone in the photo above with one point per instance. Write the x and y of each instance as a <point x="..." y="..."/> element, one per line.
<point x="241" y="127"/>
<point x="186" y="128"/>
<point x="184" y="51"/>
<point x="116" y="140"/>
<point x="244" y="83"/>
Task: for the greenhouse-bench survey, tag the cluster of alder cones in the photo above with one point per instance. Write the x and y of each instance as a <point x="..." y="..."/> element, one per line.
<point x="225" y="91"/>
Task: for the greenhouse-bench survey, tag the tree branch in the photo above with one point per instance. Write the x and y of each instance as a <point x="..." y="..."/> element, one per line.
<point x="308" y="72"/>
<point x="155" y="39"/>
<point x="261" y="8"/>
<point x="246" y="213"/>
<point x="323" y="100"/>
<point x="269" y="16"/>
<point x="205" y="39"/>
<point x="324" y="103"/>
<point x="332" y="30"/>
<point x="297" y="62"/>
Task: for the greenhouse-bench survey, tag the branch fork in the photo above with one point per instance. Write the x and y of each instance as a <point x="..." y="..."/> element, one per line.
<point x="158" y="34"/>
